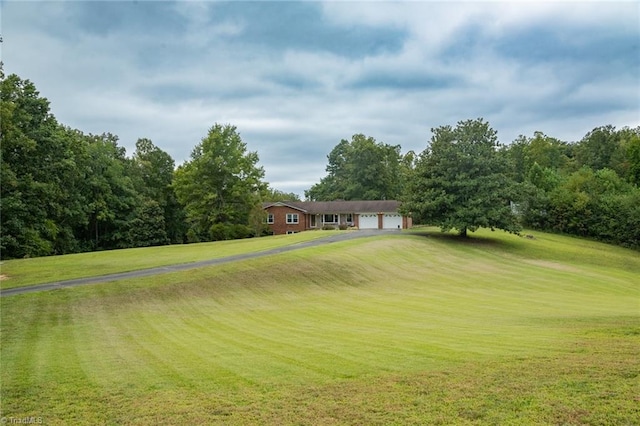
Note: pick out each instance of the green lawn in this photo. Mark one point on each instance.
(396, 329)
(24, 272)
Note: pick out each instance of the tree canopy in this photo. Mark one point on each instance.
(360, 169)
(64, 191)
(219, 186)
(461, 181)
(272, 194)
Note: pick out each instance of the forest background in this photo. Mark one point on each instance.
(64, 191)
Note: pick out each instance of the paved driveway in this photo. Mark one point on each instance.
(342, 236)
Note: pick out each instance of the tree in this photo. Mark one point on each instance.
(112, 200)
(546, 151)
(41, 164)
(596, 149)
(626, 158)
(461, 181)
(146, 227)
(633, 154)
(219, 185)
(24, 120)
(152, 171)
(360, 169)
(408, 164)
(543, 150)
(596, 204)
(271, 194)
(62, 191)
(544, 178)
(516, 154)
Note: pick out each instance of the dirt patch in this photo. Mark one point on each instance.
(4, 277)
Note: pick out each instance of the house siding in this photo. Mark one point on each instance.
(342, 209)
(280, 225)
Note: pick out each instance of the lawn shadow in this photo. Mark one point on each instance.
(472, 239)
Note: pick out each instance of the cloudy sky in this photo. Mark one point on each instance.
(297, 77)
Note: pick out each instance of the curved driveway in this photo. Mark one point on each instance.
(343, 236)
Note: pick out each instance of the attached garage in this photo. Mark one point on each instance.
(368, 221)
(392, 221)
(293, 216)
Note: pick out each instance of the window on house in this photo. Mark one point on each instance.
(292, 217)
(291, 232)
(270, 218)
(313, 221)
(330, 218)
(349, 218)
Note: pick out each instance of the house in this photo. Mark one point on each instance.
(287, 217)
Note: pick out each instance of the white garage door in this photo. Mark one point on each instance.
(368, 221)
(392, 221)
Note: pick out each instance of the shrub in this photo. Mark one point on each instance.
(228, 231)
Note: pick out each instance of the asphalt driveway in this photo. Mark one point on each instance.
(342, 236)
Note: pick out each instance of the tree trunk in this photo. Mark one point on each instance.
(463, 232)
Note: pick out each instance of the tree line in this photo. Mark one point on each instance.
(466, 179)
(64, 191)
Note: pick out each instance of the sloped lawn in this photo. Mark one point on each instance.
(396, 329)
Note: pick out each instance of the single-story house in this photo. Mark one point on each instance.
(287, 217)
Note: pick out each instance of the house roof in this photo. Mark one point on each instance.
(363, 206)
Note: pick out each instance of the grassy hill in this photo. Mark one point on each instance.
(25, 272)
(395, 329)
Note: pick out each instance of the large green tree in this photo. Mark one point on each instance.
(461, 182)
(219, 186)
(152, 171)
(626, 158)
(545, 151)
(596, 150)
(112, 200)
(41, 203)
(360, 169)
(63, 191)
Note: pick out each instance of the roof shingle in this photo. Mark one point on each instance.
(363, 206)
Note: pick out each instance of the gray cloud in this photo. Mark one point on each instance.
(278, 26)
(297, 77)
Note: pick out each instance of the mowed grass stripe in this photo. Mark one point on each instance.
(24, 272)
(406, 329)
(348, 319)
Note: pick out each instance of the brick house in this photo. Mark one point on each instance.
(286, 217)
